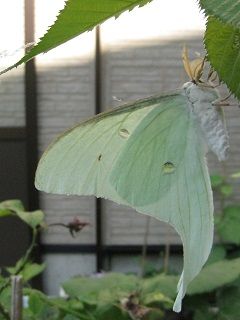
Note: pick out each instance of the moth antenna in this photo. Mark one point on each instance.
(198, 65)
(193, 68)
(186, 62)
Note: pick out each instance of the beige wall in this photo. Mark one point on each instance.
(66, 85)
(141, 57)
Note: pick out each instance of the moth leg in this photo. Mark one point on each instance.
(212, 75)
(222, 102)
(227, 97)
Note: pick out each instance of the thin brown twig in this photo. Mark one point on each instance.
(166, 254)
(16, 305)
(28, 252)
(144, 247)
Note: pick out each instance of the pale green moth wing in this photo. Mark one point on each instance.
(80, 161)
(148, 155)
(162, 172)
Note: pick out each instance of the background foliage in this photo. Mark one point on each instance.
(213, 295)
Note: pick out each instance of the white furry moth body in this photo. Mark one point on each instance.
(210, 117)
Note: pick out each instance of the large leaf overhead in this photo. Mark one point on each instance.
(77, 17)
(222, 42)
(227, 11)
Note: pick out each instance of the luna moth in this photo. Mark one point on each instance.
(149, 155)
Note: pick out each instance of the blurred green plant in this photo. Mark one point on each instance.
(227, 222)
(38, 306)
(24, 266)
(213, 295)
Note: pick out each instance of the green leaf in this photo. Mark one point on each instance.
(226, 190)
(229, 304)
(41, 308)
(28, 271)
(218, 253)
(70, 317)
(72, 307)
(10, 207)
(109, 311)
(157, 299)
(204, 314)
(77, 17)
(13, 205)
(13, 270)
(154, 314)
(227, 11)
(31, 270)
(5, 212)
(214, 276)
(33, 219)
(109, 287)
(5, 299)
(228, 226)
(223, 51)
(166, 284)
(35, 302)
(196, 302)
(76, 305)
(216, 180)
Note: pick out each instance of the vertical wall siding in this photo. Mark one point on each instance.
(66, 82)
(66, 97)
(12, 112)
